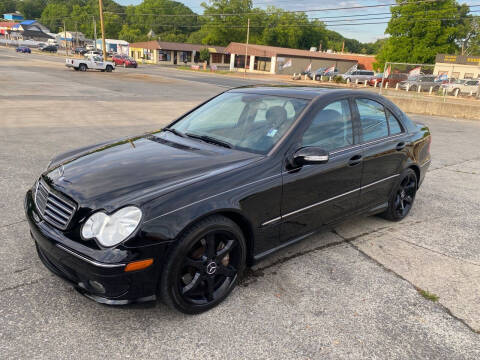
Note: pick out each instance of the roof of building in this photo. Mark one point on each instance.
(114, 41)
(166, 45)
(7, 24)
(269, 51)
(28, 22)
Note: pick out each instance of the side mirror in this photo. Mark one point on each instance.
(310, 155)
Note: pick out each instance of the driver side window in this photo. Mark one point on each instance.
(331, 128)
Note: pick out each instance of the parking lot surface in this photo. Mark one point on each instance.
(350, 292)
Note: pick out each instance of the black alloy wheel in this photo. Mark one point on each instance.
(402, 198)
(204, 266)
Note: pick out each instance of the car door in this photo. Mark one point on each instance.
(384, 151)
(315, 195)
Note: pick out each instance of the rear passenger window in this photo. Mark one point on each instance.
(395, 127)
(372, 118)
(331, 128)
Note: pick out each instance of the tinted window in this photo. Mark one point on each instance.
(395, 127)
(250, 122)
(331, 128)
(372, 118)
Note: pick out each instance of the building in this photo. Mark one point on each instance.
(365, 62)
(278, 60)
(16, 16)
(6, 27)
(171, 53)
(70, 38)
(115, 46)
(32, 25)
(457, 66)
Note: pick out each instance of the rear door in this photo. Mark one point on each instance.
(384, 151)
(315, 195)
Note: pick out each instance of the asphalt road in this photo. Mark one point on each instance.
(348, 293)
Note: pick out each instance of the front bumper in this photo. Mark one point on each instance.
(97, 273)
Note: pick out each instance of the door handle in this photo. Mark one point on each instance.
(400, 146)
(355, 160)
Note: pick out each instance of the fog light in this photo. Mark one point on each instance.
(98, 287)
(138, 265)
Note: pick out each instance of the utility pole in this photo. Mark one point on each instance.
(104, 48)
(65, 38)
(95, 30)
(246, 48)
(76, 34)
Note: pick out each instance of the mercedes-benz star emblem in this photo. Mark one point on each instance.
(211, 268)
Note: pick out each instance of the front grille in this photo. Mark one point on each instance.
(54, 208)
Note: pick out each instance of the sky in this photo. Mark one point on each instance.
(363, 33)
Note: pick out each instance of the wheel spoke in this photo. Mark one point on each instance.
(408, 200)
(210, 287)
(210, 244)
(192, 285)
(197, 264)
(228, 247)
(228, 271)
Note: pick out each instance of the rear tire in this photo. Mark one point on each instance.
(82, 67)
(204, 265)
(402, 198)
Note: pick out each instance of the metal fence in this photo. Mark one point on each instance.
(428, 79)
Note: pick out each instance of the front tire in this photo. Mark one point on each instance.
(204, 266)
(108, 68)
(403, 196)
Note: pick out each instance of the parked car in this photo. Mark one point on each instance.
(464, 87)
(358, 75)
(178, 213)
(316, 74)
(49, 48)
(23, 49)
(124, 60)
(90, 47)
(94, 62)
(425, 81)
(93, 53)
(392, 80)
(451, 83)
(79, 50)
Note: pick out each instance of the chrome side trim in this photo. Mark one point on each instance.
(426, 163)
(93, 262)
(379, 181)
(327, 200)
(212, 196)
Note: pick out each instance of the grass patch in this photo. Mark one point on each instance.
(428, 295)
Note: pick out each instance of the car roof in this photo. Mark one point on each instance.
(301, 92)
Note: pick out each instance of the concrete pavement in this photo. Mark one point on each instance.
(348, 293)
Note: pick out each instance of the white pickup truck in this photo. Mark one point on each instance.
(94, 62)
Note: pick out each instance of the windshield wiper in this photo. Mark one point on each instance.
(176, 132)
(210, 139)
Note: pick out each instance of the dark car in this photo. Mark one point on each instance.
(124, 60)
(80, 50)
(23, 49)
(49, 48)
(180, 212)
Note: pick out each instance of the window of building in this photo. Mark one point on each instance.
(217, 58)
(164, 55)
(456, 75)
(468, 76)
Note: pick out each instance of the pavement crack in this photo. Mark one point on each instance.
(14, 223)
(368, 257)
(21, 285)
(450, 165)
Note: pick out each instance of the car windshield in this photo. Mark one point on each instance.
(248, 122)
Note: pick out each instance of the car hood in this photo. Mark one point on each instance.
(136, 170)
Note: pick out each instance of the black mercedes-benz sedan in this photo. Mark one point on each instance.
(178, 213)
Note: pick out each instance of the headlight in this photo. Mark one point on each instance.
(111, 230)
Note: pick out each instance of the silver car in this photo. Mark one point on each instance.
(467, 87)
(360, 75)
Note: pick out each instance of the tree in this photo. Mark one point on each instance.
(418, 32)
(131, 34)
(204, 55)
